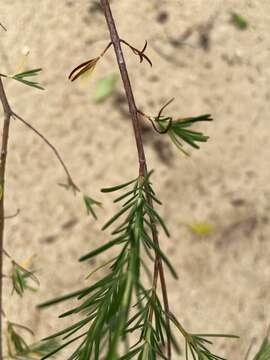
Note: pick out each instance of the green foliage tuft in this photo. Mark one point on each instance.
(20, 279)
(89, 203)
(178, 130)
(19, 349)
(106, 305)
(25, 74)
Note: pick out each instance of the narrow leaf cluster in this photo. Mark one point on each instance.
(119, 304)
(19, 349)
(22, 77)
(89, 203)
(20, 279)
(179, 132)
(197, 345)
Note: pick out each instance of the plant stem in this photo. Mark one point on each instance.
(50, 145)
(124, 74)
(3, 156)
(8, 114)
(158, 268)
(3, 27)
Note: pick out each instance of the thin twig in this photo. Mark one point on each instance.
(12, 215)
(6, 253)
(158, 268)
(154, 125)
(70, 180)
(26, 123)
(140, 53)
(8, 113)
(3, 27)
(3, 156)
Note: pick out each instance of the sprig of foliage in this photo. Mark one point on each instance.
(151, 341)
(197, 345)
(110, 313)
(87, 67)
(119, 304)
(89, 203)
(106, 306)
(20, 279)
(178, 129)
(19, 349)
(22, 77)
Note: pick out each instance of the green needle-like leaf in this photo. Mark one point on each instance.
(118, 187)
(100, 250)
(61, 298)
(33, 72)
(20, 279)
(19, 349)
(89, 203)
(178, 132)
(22, 75)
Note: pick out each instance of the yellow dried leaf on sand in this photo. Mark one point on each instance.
(201, 228)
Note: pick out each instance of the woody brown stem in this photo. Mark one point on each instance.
(158, 268)
(3, 157)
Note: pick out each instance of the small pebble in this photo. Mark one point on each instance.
(162, 17)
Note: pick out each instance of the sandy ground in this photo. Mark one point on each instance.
(223, 277)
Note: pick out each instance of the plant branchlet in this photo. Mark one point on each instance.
(89, 65)
(20, 277)
(121, 304)
(177, 129)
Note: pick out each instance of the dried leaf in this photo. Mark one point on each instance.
(87, 66)
(201, 228)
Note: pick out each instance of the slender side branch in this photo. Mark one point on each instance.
(3, 156)
(158, 269)
(70, 180)
(3, 27)
(8, 114)
(13, 215)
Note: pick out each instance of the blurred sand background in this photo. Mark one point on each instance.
(223, 277)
